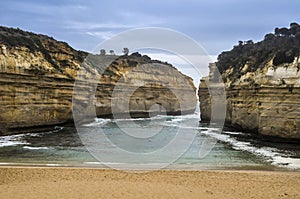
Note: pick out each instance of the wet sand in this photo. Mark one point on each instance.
(33, 182)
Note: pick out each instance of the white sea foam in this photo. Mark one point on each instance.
(103, 163)
(98, 122)
(132, 119)
(55, 165)
(187, 126)
(96, 163)
(169, 119)
(5, 163)
(117, 163)
(233, 133)
(190, 116)
(157, 117)
(33, 164)
(55, 130)
(12, 140)
(272, 155)
(35, 148)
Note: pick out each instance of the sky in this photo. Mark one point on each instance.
(216, 25)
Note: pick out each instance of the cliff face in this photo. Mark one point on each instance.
(37, 75)
(263, 102)
(36, 79)
(136, 86)
(261, 98)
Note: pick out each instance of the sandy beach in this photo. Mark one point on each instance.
(32, 182)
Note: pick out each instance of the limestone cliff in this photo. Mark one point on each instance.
(37, 75)
(263, 90)
(136, 86)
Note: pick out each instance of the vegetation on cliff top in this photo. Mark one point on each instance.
(15, 37)
(132, 60)
(282, 46)
(108, 65)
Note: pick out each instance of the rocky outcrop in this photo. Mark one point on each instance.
(37, 76)
(136, 86)
(262, 99)
(268, 103)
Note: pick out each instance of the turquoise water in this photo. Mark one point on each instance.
(64, 146)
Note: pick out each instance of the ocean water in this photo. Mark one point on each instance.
(68, 146)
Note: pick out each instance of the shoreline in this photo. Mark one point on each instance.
(69, 182)
(243, 169)
(144, 168)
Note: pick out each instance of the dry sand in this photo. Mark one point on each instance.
(16, 182)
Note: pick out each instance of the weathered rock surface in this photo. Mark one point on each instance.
(262, 83)
(265, 101)
(136, 86)
(37, 75)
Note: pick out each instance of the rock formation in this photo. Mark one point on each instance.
(37, 76)
(262, 89)
(135, 86)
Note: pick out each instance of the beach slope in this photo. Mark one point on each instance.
(16, 182)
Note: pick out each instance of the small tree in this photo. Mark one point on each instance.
(281, 31)
(276, 31)
(249, 42)
(294, 28)
(285, 31)
(269, 36)
(125, 51)
(112, 52)
(102, 52)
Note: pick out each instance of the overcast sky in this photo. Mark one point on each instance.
(215, 24)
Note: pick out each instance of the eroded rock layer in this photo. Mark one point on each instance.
(262, 83)
(265, 101)
(37, 76)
